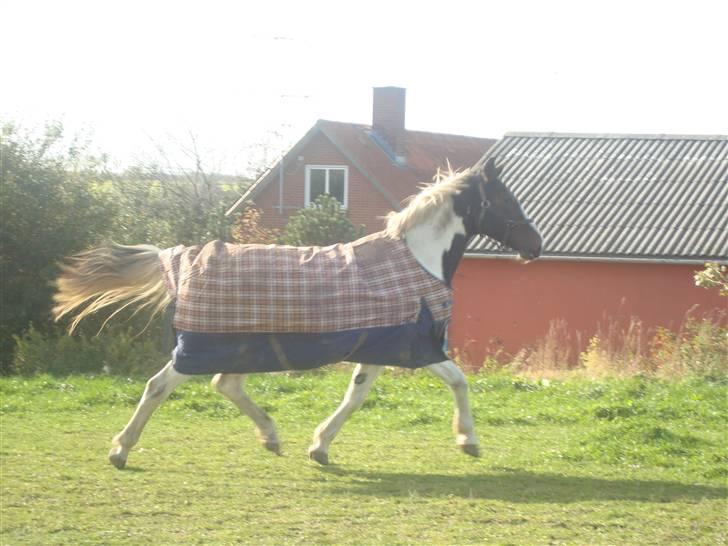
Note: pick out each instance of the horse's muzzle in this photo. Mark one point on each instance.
(528, 254)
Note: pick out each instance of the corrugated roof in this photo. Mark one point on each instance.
(425, 153)
(643, 197)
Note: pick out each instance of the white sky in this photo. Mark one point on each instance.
(235, 73)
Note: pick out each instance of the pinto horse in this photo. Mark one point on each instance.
(381, 300)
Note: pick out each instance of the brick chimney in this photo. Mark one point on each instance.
(388, 120)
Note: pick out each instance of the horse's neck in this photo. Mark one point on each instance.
(438, 248)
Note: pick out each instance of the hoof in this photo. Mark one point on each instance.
(117, 458)
(275, 447)
(471, 449)
(321, 457)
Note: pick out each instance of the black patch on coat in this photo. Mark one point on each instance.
(467, 205)
(452, 256)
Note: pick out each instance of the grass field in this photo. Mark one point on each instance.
(622, 461)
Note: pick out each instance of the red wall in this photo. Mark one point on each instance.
(506, 305)
(366, 204)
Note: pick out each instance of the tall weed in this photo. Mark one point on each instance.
(699, 347)
(555, 351)
(617, 349)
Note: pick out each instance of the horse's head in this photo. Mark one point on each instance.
(500, 215)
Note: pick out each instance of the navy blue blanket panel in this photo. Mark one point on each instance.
(410, 345)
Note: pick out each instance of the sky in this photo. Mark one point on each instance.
(247, 79)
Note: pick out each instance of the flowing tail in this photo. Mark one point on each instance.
(105, 276)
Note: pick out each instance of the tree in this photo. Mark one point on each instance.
(176, 198)
(165, 209)
(57, 199)
(49, 210)
(324, 223)
(714, 275)
(247, 228)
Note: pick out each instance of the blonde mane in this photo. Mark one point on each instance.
(423, 205)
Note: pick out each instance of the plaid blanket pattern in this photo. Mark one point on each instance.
(374, 281)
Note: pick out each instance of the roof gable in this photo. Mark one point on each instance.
(426, 152)
(643, 197)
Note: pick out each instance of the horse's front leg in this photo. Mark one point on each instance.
(359, 386)
(463, 418)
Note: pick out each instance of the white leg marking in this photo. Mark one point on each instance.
(359, 386)
(231, 386)
(158, 389)
(463, 418)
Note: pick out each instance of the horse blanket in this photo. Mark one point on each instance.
(241, 308)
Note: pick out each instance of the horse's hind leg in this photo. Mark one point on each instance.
(462, 419)
(230, 385)
(157, 390)
(361, 382)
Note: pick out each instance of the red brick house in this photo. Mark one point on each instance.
(370, 169)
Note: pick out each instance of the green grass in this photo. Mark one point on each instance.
(628, 461)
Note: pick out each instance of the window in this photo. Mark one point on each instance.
(327, 179)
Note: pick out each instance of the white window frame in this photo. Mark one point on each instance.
(327, 168)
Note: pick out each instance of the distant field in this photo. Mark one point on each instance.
(628, 461)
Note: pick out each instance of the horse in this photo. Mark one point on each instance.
(428, 238)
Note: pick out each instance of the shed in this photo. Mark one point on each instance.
(626, 219)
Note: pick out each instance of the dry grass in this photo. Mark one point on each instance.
(619, 349)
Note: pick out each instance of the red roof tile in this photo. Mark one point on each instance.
(425, 153)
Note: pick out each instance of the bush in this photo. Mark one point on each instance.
(322, 224)
(48, 210)
(116, 353)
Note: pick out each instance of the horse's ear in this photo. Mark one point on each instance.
(491, 171)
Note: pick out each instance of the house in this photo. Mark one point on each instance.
(370, 169)
(626, 219)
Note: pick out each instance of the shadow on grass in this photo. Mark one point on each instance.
(520, 486)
